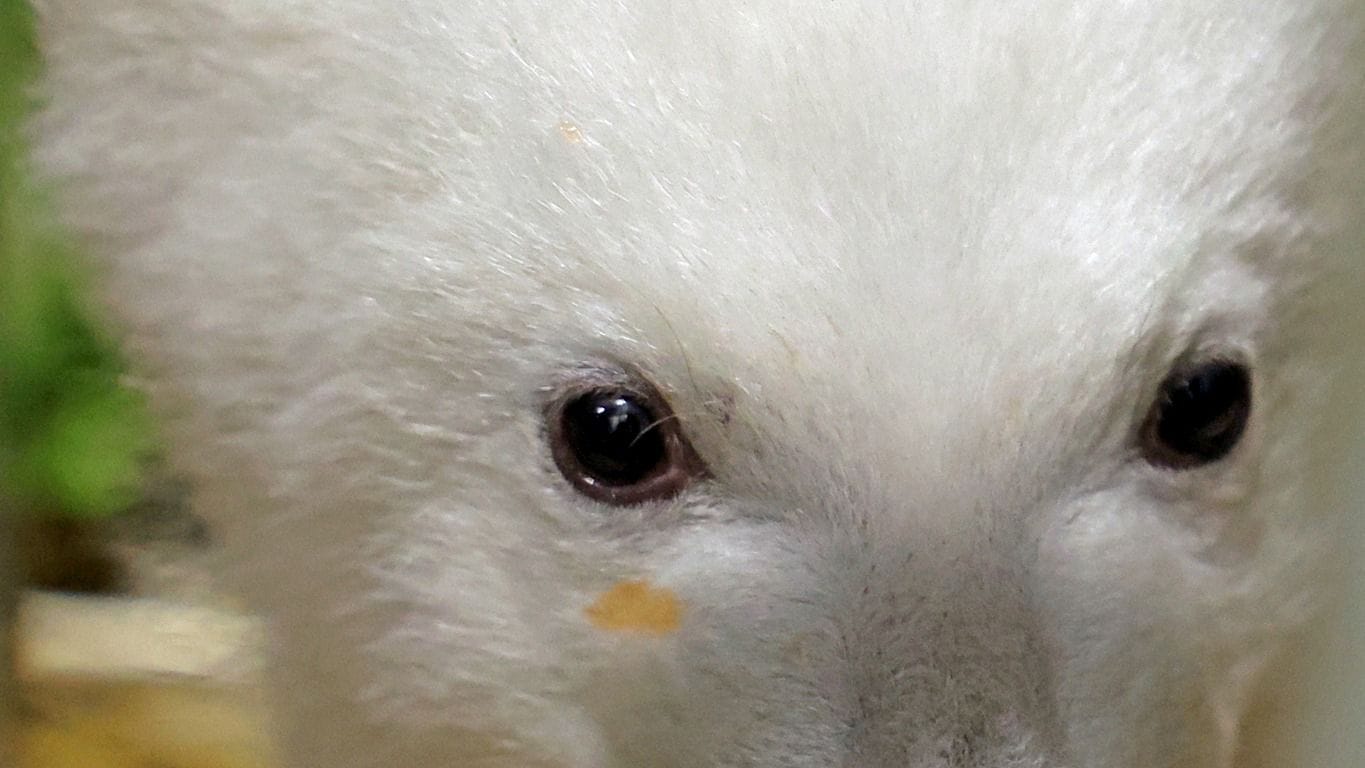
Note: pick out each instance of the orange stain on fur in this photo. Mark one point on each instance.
(634, 606)
(571, 133)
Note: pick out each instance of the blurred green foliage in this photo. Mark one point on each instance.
(72, 440)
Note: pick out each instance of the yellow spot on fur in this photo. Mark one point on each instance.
(634, 606)
(571, 133)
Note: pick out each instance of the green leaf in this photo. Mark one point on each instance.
(72, 440)
(88, 460)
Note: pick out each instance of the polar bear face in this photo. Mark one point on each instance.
(836, 385)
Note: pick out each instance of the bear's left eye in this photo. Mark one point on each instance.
(1199, 416)
(620, 446)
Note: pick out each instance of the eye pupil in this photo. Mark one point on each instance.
(621, 446)
(1200, 416)
(614, 438)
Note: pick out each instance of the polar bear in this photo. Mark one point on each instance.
(839, 384)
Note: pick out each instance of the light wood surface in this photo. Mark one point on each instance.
(124, 683)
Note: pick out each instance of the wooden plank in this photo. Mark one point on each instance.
(67, 637)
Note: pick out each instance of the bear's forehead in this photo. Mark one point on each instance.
(992, 372)
(1002, 309)
(903, 194)
(955, 251)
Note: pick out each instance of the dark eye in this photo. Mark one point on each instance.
(621, 447)
(1199, 416)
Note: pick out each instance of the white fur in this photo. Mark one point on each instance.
(910, 274)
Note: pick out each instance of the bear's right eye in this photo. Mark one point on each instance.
(621, 446)
(1199, 416)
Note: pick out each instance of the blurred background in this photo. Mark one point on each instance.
(99, 668)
